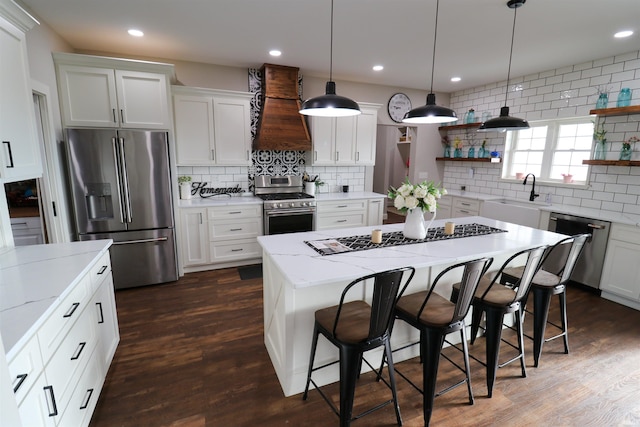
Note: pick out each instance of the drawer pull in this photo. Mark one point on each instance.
(21, 379)
(76, 355)
(463, 211)
(87, 399)
(342, 206)
(235, 212)
(465, 204)
(72, 310)
(236, 250)
(52, 400)
(236, 229)
(102, 270)
(341, 220)
(99, 304)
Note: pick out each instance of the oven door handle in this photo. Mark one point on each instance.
(289, 212)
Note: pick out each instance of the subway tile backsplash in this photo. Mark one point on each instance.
(563, 92)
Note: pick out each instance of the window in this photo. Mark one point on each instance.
(550, 150)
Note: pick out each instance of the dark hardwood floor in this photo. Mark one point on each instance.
(192, 354)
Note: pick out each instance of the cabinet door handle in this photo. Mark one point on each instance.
(357, 156)
(315, 155)
(76, 356)
(87, 399)
(21, 379)
(11, 165)
(99, 304)
(72, 310)
(115, 119)
(200, 217)
(102, 270)
(121, 116)
(53, 408)
(248, 155)
(337, 156)
(213, 154)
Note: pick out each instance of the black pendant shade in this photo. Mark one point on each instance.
(505, 122)
(330, 104)
(430, 113)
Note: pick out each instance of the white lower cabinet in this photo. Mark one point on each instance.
(58, 374)
(220, 236)
(462, 206)
(444, 207)
(348, 213)
(375, 211)
(621, 273)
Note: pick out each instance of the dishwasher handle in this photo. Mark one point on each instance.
(596, 226)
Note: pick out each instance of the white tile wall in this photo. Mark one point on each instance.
(563, 92)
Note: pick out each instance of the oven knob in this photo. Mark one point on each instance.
(292, 204)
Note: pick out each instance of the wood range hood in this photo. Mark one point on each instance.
(280, 125)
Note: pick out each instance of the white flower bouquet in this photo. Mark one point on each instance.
(409, 196)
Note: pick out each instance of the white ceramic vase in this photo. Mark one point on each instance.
(310, 188)
(415, 226)
(185, 190)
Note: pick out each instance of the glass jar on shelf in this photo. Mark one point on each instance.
(603, 101)
(624, 97)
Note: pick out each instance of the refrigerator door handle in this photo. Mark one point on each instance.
(130, 242)
(116, 157)
(125, 181)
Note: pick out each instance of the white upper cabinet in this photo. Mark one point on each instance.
(212, 127)
(345, 141)
(110, 96)
(19, 146)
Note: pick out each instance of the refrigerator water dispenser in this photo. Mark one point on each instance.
(98, 200)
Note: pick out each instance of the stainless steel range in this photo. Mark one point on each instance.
(287, 209)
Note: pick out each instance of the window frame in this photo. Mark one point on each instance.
(550, 148)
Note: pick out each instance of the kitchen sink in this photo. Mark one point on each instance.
(516, 211)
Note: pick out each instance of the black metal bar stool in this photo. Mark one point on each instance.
(356, 327)
(496, 300)
(551, 279)
(436, 317)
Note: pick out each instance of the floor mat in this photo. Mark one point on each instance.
(250, 272)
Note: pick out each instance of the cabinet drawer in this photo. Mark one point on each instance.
(468, 205)
(234, 212)
(100, 271)
(25, 368)
(66, 364)
(56, 327)
(226, 230)
(85, 396)
(444, 202)
(26, 223)
(341, 221)
(340, 206)
(625, 233)
(235, 250)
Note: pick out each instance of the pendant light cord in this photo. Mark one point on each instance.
(513, 32)
(435, 37)
(331, 47)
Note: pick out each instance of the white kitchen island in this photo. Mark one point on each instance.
(297, 281)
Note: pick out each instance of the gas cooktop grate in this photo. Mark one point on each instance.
(396, 238)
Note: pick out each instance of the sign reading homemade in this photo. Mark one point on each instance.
(201, 189)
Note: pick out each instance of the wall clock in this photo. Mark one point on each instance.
(399, 105)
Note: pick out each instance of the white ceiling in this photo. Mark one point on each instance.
(473, 35)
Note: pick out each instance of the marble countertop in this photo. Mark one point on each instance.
(303, 266)
(223, 200)
(603, 215)
(33, 278)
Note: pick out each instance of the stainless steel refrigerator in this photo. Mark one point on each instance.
(121, 186)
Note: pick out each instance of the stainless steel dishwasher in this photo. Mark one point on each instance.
(589, 266)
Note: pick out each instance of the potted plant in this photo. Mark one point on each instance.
(185, 186)
(415, 200)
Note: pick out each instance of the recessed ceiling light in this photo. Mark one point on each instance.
(275, 52)
(135, 33)
(455, 79)
(378, 68)
(622, 34)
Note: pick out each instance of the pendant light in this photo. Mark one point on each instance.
(330, 104)
(431, 113)
(505, 122)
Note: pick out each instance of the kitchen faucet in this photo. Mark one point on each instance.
(533, 194)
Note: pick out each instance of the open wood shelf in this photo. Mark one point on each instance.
(618, 111)
(612, 162)
(462, 126)
(473, 159)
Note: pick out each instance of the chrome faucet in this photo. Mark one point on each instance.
(533, 194)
